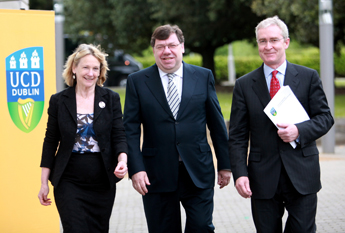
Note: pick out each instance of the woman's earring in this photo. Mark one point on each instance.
(73, 76)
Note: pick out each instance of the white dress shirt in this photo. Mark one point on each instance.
(280, 75)
(177, 80)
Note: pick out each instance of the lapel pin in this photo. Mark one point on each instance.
(101, 104)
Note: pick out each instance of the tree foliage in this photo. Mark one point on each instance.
(207, 24)
(41, 5)
(90, 22)
(302, 18)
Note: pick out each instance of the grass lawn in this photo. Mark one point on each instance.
(122, 93)
(225, 100)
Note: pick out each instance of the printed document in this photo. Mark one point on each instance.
(286, 108)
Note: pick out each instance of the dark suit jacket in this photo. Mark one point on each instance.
(267, 151)
(62, 128)
(166, 138)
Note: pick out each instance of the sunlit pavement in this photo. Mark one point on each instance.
(232, 213)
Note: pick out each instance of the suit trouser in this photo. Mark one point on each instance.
(162, 210)
(268, 213)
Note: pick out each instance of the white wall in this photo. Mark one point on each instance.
(16, 5)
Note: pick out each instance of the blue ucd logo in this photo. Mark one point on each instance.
(25, 87)
(273, 112)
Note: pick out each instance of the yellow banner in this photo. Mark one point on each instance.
(27, 67)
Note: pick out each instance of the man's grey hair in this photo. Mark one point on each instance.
(273, 21)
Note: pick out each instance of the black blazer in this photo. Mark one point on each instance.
(166, 138)
(267, 151)
(62, 128)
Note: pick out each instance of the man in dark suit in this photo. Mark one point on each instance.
(275, 175)
(175, 162)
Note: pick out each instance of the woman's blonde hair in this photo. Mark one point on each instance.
(74, 59)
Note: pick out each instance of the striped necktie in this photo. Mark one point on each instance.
(172, 96)
(275, 86)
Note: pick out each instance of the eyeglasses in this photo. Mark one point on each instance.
(161, 47)
(272, 41)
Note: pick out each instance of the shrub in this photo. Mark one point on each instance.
(146, 61)
(312, 62)
(246, 64)
(193, 59)
(339, 64)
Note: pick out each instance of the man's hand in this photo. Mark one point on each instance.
(288, 132)
(223, 178)
(242, 186)
(139, 182)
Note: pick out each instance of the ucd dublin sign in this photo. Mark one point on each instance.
(25, 87)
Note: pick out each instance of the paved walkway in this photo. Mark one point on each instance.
(232, 213)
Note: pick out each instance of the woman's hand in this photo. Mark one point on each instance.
(121, 168)
(43, 195)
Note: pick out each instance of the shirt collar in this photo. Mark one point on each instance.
(268, 70)
(178, 72)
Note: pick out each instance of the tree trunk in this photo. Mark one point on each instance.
(208, 59)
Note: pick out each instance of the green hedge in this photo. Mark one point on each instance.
(339, 65)
(244, 65)
(146, 61)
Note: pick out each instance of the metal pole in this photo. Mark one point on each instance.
(327, 66)
(59, 43)
(231, 66)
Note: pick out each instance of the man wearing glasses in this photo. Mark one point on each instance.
(276, 176)
(174, 102)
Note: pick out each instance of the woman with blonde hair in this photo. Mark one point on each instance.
(85, 150)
